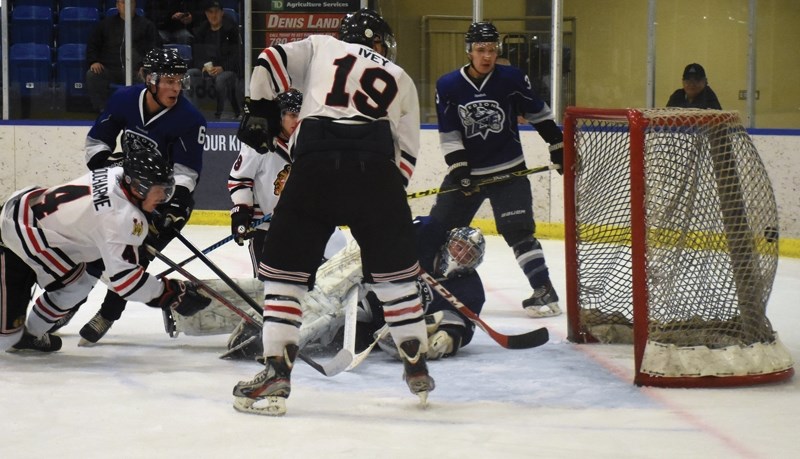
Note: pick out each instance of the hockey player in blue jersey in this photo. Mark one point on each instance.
(477, 107)
(452, 257)
(156, 115)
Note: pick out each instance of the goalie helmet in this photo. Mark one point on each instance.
(482, 32)
(290, 101)
(462, 252)
(367, 27)
(144, 168)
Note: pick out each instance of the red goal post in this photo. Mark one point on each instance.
(671, 240)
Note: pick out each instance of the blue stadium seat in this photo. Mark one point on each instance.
(71, 70)
(47, 3)
(185, 51)
(75, 24)
(30, 67)
(232, 13)
(32, 24)
(113, 11)
(232, 4)
(80, 3)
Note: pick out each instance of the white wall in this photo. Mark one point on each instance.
(48, 155)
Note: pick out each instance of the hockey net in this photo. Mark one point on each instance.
(671, 231)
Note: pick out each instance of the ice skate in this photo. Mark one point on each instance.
(28, 342)
(266, 394)
(543, 302)
(95, 329)
(415, 370)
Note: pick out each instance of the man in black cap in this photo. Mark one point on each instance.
(695, 92)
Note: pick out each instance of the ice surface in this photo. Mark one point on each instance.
(140, 393)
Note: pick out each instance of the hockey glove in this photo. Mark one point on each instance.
(105, 159)
(260, 124)
(459, 170)
(557, 156)
(173, 215)
(182, 297)
(241, 216)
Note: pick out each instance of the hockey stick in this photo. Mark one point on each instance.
(335, 365)
(361, 356)
(524, 341)
(485, 181)
(216, 245)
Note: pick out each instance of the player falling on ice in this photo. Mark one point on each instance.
(63, 237)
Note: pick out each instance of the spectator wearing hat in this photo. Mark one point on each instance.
(217, 55)
(695, 92)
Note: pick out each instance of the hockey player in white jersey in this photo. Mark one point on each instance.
(354, 153)
(61, 238)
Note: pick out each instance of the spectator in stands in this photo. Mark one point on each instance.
(695, 92)
(105, 52)
(217, 55)
(173, 19)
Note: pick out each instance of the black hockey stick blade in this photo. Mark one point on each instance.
(484, 181)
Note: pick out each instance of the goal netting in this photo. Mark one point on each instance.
(671, 231)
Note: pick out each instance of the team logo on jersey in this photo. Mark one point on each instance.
(481, 117)
(138, 227)
(280, 181)
(135, 141)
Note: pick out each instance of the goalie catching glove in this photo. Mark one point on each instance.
(181, 297)
(241, 217)
(260, 124)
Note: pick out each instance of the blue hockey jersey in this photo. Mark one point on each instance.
(483, 120)
(178, 132)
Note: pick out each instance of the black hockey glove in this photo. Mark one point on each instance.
(182, 297)
(241, 216)
(459, 171)
(557, 156)
(105, 159)
(260, 124)
(173, 215)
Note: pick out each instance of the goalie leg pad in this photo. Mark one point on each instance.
(216, 319)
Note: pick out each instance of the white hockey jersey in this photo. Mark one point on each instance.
(257, 180)
(343, 80)
(81, 221)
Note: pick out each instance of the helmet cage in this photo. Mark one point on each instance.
(462, 253)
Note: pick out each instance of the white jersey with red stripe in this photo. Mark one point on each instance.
(344, 81)
(256, 180)
(84, 220)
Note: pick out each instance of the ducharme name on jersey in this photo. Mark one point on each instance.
(100, 189)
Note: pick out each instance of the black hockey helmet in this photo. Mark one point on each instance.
(366, 27)
(164, 61)
(144, 167)
(290, 101)
(482, 32)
